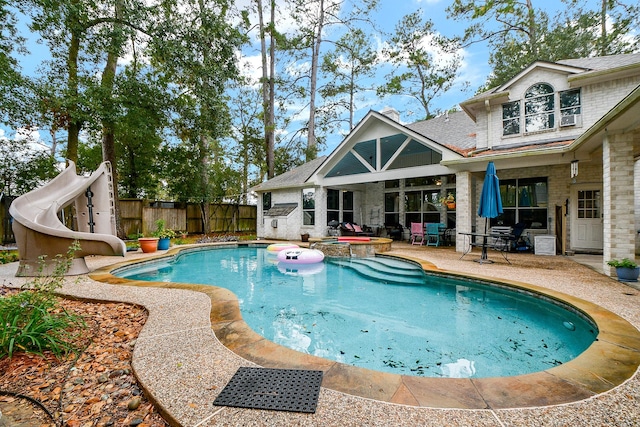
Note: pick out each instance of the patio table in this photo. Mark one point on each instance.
(500, 243)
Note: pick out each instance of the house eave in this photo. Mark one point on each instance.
(591, 77)
(541, 156)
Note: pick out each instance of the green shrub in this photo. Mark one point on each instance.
(8, 256)
(162, 232)
(33, 321)
(623, 263)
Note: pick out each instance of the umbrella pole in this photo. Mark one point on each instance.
(483, 257)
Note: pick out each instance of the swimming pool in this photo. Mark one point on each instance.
(394, 327)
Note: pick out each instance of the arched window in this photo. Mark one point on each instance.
(539, 108)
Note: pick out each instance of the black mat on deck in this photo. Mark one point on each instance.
(292, 390)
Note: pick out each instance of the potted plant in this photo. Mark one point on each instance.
(627, 270)
(449, 201)
(148, 244)
(163, 234)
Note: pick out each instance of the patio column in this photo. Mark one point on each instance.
(618, 198)
(464, 215)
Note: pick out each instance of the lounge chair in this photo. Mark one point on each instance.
(353, 229)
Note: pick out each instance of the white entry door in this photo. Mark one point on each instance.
(586, 218)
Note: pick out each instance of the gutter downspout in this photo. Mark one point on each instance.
(487, 106)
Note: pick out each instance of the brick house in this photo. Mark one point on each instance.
(564, 137)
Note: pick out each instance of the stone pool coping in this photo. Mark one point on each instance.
(607, 363)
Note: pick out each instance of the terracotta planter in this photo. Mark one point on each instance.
(148, 244)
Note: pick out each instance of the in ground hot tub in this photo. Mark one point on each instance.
(351, 246)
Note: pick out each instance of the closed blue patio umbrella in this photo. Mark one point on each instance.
(490, 202)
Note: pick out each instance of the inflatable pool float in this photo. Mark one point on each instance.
(300, 256)
(300, 269)
(277, 247)
(354, 239)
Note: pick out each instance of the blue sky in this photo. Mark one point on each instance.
(475, 58)
(472, 75)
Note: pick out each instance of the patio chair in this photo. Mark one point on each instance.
(417, 233)
(432, 237)
(519, 242)
(501, 238)
(394, 231)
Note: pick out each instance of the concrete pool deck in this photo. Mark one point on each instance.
(183, 366)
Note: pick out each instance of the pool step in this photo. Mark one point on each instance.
(383, 269)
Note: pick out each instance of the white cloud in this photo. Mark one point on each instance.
(27, 134)
(428, 2)
(251, 67)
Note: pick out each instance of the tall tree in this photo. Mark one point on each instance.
(313, 18)
(417, 72)
(144, 105)
(81, 34)
(248, 151)
(268, 56)
(200, 59)
(63, 26)
(116, 37)
(612, 25)
(11, 81)
(347, 67)
(519, 34)
(515, 25)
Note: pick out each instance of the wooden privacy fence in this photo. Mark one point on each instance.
(140, 216)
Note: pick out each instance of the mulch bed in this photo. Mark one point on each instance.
(94, 388)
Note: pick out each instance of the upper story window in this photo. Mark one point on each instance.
(570, 107)
(539, 108)
(511, 118)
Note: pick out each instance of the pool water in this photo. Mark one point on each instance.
(385, 314)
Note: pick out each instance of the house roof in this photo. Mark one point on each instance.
(579, 69)
(293, 178)
(454, 130)
(281, 209)
(600, 63)
(621, 118)
(352, 161)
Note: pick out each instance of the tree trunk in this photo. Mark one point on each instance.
(312, 143)
(108, 124)
(602, 48)
(271, 122)
(533, 32)
(75, 124)
(268, 96)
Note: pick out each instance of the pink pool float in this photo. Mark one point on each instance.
(277, 247)
(300, 256)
